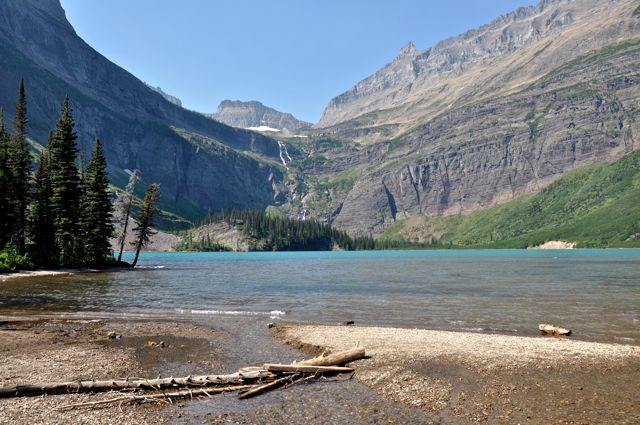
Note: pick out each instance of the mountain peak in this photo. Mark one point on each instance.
(253, 114)
(409, 49)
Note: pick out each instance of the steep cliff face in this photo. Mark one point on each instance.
(136, 124)
(254, 114)
(492, 151)
(483, 117)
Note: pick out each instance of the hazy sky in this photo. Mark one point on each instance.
(293, 55)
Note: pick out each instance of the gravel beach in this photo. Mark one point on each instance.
(411, 376)
(476, 377)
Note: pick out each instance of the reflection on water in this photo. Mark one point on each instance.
(594, 292)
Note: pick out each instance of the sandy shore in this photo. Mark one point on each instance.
(489, 378)
(40, 273)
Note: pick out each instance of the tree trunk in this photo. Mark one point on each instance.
(135, 259)
(124, 232)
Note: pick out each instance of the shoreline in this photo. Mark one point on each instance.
(460, 377)
(24, 274)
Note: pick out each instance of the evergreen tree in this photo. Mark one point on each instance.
(6, 185)
(127, 202)
(41, 230)
(148, 211)
(20, 164)
(96, 220)
(65, 183)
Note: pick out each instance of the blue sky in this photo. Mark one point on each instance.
(293, 55)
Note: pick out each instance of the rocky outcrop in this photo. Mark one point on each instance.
(227, 235)
(136, 124)
(255, 115)
(166, 96)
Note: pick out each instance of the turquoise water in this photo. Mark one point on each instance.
(594, 292)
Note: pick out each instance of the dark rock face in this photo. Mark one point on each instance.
(254, 114)
(135, 123)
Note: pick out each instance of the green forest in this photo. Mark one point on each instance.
(281, 234)
(61, 215)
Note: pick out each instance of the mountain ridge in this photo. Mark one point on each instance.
(254, 114)
(38, 44)
(414, 72)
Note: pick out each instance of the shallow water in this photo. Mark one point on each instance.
(594, 292)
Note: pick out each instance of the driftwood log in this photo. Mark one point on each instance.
(553, 330)
(339, 358)
(256, 380)
(132, 383)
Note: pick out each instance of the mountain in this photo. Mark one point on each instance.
(255, 115)
(479, 119)
(496, 59)
(201, 164)
(167, 96)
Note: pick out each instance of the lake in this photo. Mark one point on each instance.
(594, 292)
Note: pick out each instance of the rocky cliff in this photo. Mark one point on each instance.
(483, 117)
(139, 127)
(166, 95)
(254, 114)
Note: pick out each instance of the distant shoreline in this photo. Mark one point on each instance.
(24, 274)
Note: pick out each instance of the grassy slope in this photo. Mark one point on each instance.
(594, 206)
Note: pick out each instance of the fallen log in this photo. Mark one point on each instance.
(339, 358)
(305, 369)
(263, 378)
(137, 383)
(553, 330)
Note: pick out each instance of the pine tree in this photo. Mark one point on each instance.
(127, 202)
(148, 211)
(6, 185)
(20, 164)
(41, 230)
(65, 182)
(96, 220)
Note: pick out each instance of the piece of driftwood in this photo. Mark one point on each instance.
(270, 367)
(553, 330)
(136, 384)
(259, 389)
(339, 358)
(256, 380)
